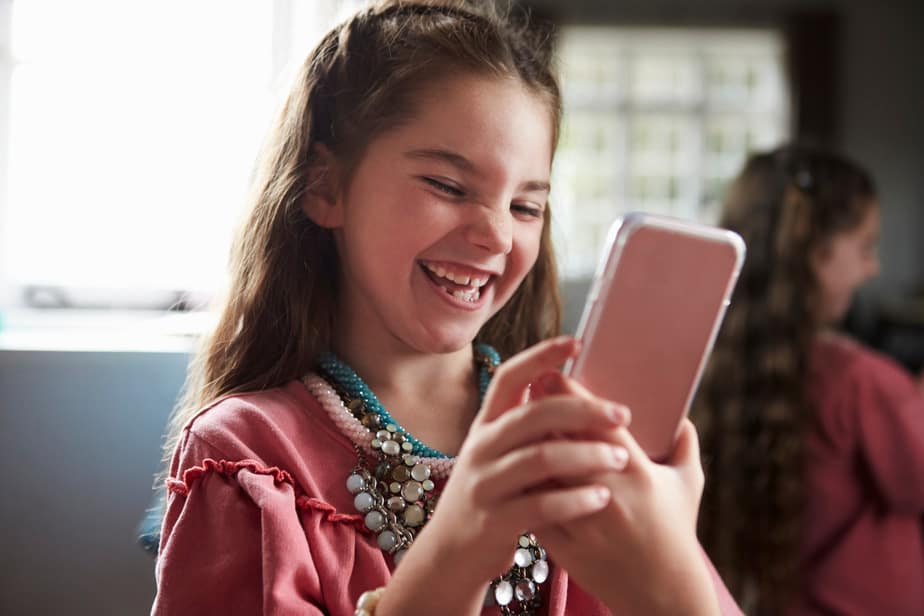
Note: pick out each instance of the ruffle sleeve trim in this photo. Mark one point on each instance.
(330, 513)
(228, 468)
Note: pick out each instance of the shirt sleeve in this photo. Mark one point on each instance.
(233, 543)
(889, 415)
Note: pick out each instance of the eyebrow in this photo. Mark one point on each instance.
(464, 164)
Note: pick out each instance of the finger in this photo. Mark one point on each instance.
(530, 467)
(686, 448)
(637, 456)
(554, 506)
(511, 379)
(561, 540)
(558, 539)
(685, 457)
(545, 419)
(637, 461)
(555, 382)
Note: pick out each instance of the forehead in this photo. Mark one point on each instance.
(869, 223)
(866, 230)
(492, 121)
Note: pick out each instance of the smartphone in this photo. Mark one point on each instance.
(651, 317)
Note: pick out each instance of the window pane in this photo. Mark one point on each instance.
(658, 120)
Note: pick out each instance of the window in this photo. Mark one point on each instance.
(133, 131)
(658, 120)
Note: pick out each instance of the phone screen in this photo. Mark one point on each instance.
(651, 318)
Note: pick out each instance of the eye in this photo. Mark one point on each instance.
(443, 187)
(527, 210)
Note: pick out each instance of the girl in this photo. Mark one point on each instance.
(348, 432)
(814, 446)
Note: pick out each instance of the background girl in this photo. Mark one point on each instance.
(398, 241)
(814, 445)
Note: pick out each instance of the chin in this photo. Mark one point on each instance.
(452, 345)
(447, 341)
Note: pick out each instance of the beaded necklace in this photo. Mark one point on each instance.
(376, 416)
(392, 483)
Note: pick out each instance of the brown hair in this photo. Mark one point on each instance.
(751, 409)
(358, 82)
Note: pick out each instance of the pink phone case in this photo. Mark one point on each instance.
(651, 317)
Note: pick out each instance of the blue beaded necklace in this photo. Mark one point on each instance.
(344, 376)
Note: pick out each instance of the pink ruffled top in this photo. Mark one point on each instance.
(259, 520)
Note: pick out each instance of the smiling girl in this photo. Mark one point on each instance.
(350, 440)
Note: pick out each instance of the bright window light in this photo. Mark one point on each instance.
(134, 129)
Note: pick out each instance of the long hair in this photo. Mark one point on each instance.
(360, 81)
(751, 409)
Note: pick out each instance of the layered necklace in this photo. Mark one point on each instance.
(393, 483)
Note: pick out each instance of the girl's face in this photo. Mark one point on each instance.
(848, 260)
(443, 216)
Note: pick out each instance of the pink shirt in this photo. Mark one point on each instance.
(259, 519)
(864, 546)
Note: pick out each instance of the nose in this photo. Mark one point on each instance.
(491, 230)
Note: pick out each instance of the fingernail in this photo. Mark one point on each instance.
(617, 413)
(601, 495)
(620, 457)
(560, 341)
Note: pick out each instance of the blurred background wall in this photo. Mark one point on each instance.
(81, 416)
(79, 443)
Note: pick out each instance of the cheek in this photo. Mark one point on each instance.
(526, 249)
(829, 286)
(833, 272)
(856, 272)
(842, 282)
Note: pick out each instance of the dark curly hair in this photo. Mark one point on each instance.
(751, 408)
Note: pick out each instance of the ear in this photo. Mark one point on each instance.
(321, 201)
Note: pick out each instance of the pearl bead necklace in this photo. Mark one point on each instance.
(399, 496)
(358, 434)
(486, 357)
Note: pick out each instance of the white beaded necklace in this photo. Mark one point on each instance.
(351, 427)
(516, 592)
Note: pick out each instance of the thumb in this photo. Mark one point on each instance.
(685, 457)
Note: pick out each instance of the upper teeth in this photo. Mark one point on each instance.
(458, 278)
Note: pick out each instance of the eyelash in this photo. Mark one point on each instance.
(452, 191)
(528, 210)
(457, 193)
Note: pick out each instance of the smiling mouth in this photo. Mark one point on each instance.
(460, 285)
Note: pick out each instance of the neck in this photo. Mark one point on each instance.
(432, 395)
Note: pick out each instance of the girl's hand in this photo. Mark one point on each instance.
(516, 471)
(640, 554)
